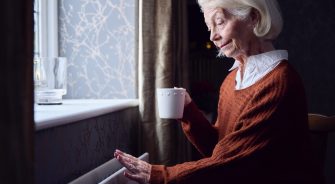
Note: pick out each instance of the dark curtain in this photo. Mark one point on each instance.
(17, 125)
(163, 58)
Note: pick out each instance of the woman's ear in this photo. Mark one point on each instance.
(255, 16)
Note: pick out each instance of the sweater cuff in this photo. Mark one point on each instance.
(157, 174)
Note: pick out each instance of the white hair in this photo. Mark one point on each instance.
(270, 20)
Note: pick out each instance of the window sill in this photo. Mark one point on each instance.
(47, 116)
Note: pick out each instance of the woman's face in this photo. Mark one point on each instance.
(232, 36)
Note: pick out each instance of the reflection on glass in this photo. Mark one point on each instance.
(40, 78)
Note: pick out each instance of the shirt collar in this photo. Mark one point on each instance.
(263, 60)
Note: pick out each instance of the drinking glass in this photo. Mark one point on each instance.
(50, 79)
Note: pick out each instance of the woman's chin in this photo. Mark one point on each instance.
(225, 52)
(229, 54)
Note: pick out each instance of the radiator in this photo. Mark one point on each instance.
(110, 172)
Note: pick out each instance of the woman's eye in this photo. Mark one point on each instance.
(219, 22)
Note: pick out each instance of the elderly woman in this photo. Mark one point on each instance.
(261, 132)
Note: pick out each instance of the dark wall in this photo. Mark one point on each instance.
(309, 38)
(308, 35)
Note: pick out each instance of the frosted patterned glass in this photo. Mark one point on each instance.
(98, 39)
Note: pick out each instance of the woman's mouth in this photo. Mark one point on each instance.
(225, 44)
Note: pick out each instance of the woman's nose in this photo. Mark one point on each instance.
(214, 36)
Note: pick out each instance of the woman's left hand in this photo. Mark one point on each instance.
(138, 170)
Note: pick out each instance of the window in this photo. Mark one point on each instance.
(98, 38)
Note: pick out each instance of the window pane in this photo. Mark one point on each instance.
(98, 38)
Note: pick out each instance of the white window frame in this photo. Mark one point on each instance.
(48, 28)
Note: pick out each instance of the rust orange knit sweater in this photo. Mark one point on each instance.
(260, 136)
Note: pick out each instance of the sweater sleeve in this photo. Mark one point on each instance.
(252, 133)
(199, 131)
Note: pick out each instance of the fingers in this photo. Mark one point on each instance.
(118, 152)
(133, 164)
(139, 170)
(130, 164)
(188, 98)
(126, 157)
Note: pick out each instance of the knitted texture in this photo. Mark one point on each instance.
(260, 136)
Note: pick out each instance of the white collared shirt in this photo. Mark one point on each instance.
(257, 66)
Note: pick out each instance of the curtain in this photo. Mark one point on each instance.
(163, 58)
(16, 120)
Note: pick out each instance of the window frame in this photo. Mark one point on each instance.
(47, 33)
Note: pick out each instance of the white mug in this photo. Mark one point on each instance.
(171, 102)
